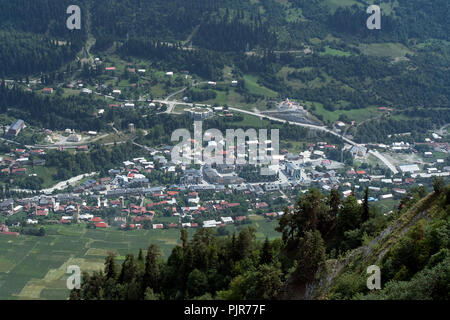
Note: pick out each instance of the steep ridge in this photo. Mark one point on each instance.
(356, 261)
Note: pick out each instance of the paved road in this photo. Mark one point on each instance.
(172, 103)
(310, 126)
(66, 145)
(64, 184)
(384, 160)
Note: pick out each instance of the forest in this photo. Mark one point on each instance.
(99, 158)
(206, 266)
(55, 113)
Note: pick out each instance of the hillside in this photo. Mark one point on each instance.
(319, 53)
(412, 253)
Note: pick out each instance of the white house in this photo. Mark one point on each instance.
(210, 223)
(226, 219)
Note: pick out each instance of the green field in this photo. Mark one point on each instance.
(334, 4)
(251, 121)
(253, 87)
(335, 52)
(46, 173)
(392, 50)
(355, 114)
(35, 267)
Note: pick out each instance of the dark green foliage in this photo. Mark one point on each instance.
(311, 256)
(56, 113)
(204, 266)
(34, 36)
(429, 284)
(99, 158)
(239, 267)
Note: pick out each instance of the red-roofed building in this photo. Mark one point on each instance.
(271, 214)
(19, 171)
(38, 151)
(261, 205)
(8, 233)
(101, 225)
(138, 210)
(143, 218)
(232, 205)
(42, 213)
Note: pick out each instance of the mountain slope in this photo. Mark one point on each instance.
(409, 241)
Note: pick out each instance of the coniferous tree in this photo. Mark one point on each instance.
(365, 206)
(266, 253)
(128, 272)
(151, 272)
(110, 266)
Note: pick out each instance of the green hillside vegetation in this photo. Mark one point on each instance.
(326, 245)
(347, 69)
(412, 253)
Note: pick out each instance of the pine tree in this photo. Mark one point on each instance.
(151, 271)
(334, 202)
(311, 255)
(184, 238)
(129, 270)
(365, 206)
(110, 266)
(266, 253)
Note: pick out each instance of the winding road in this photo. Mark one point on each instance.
(172, 103)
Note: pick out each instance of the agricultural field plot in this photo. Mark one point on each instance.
(263, 228)
(393, 50)
(35, 267)
(253, 87)
(334, 4)
(335, 52)
(359, 115)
